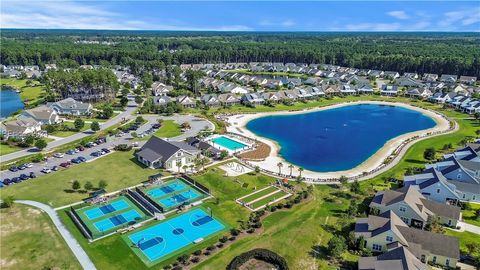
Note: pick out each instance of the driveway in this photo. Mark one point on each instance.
(197, 124)
(127, 114)
(467, 227)
(72, 243)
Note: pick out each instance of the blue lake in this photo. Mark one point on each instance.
(10, 102)
(338, 139)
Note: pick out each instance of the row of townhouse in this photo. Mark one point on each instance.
(31, 121)
(455, 178)
(460, 102)
(396, 233)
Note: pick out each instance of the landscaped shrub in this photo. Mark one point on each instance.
(219, 245)
(259, 254)
(273, 208)
(210, 248)
(251, 230)
(232, 238)
(197, 252)
(195, 260)
(234, 232)
(167, 267)
(123, 147)
(207, 253)
(223, 239)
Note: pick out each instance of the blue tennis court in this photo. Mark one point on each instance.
(169, 236)
(106, 209)
(164, 190)
(179, 198)
(112, 222)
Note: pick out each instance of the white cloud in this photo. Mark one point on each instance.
(398, 14)
(285, 23)
(84, 15)
(464, 17)
(377, 27)
(288, 23)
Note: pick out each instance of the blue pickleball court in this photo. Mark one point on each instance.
(97, 212)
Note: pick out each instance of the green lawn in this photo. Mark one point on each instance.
(29, 94)
(168, 129)
(268, 199)
(66, 133)
(259, 194)
(7, 149)
(466, 238)
(119, 169)
(30, 241)
(469, 216)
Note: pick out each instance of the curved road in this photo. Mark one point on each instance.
(71, 241)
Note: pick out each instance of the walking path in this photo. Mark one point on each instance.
(69, 239)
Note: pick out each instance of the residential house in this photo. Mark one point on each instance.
(411, 75)
(389, 90)
(435, 186)
(413, 208)
(375, 73)
(330, 89)
(210, 100)
(408, 83)
(170, 155)
(428, 77)
(252, 99)
(272, 97)
(397, 258)
(160, 89)
(20, 127)
(228, 99)
(391, 75)
(468, 79)
(42, 114)
(187, 102)
(419, 93)
(302, 93)
(365, 88)
(347, 89)
(386, 231)
(447, 78)
(70, 106)
(161, 100)
(287, 95)
(440, 97)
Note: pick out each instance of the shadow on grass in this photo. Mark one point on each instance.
(415, 161)
(134, 160)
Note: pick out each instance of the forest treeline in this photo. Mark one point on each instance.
(439, 53)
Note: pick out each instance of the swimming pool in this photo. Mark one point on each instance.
(228, 143)
(165, 238)
(106, 209)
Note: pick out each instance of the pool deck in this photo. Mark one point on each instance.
(237, 124)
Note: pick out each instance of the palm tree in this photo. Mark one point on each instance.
(185, 167)
(301, 170)
(179, 164)
(280, 165)
(191, 167)
(291, 168)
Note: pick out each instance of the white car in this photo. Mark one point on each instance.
(46, 170)
(28, 165)
(59, 155)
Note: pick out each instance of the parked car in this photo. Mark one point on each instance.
(13, 169)
(105, 150)
(24, 176)
(76, 150)
(22, 167)
(101, 140)
(71, 152)
(59, 155)
(16, 179)
(156, 126)
(96, 154)
(65, 164)
(55, 168)
(90, 145)
(46, 170)
(28, 165)
(75, 160)
(32, 175)
(7, 181)
(82, 159)
(81, 148)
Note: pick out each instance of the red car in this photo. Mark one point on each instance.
(66, 164)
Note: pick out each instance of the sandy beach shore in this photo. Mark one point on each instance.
(237, 124)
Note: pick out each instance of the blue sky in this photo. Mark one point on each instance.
(244, 16)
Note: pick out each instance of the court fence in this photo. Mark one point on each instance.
(194, 183)
(142, 202)
(149, 200)
(80, 224)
